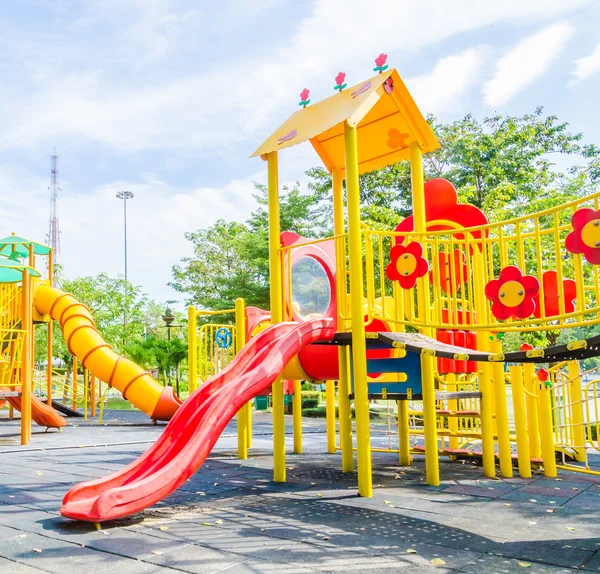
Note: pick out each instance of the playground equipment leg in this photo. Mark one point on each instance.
(297, 416)
(279, 473)
(516, 382)
(93, 395)
(26, 367)
(74, 383)
(403, 434)
(546, 433)
(240, 341)
(487, 420)
(359, 347)
(49, 345)
(330, 416)
(192, 348)
(503, 430)
(249, 421)
(577, 410)
(451, 383)
(345, 412)
(531, 402)
(242, 433)
(432, 465)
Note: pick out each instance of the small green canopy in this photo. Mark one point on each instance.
(14, 243)
(11, 271)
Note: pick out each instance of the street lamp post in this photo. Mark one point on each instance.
(125, 195)
(168, 318)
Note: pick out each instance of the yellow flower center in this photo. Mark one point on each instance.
(590, 234)
(512, 293)
(406, 264)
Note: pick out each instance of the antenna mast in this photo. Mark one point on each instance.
(53, 225)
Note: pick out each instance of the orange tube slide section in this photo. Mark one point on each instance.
(84, 341)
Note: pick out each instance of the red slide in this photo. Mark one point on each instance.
(43, 414)
(193, 431)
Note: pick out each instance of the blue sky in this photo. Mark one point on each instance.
(168, 98)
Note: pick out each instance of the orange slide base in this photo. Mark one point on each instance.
(43, 414)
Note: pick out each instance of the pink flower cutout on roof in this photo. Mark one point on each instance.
(380, 63)
(304, 101)
(339, 81)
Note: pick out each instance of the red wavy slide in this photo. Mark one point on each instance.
(193, 431)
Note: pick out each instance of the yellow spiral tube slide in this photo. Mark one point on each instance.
(84, 341)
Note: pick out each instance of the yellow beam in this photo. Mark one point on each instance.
(192, 349)
(297, 416)
(518, 397)
(504, 450)
(279, 474)
(403, 434)
(359, 349)
(26, 367)
(330, 416)
(240, 341)
(577, 420)
(546, 432)
(531, 404)
(432, 468)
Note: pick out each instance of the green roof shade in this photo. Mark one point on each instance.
(14, 243)
(12, 271)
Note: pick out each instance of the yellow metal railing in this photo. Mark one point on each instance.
(472, 257)
(215, 348)
(10, 305)
(11, 348)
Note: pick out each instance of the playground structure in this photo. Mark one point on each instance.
(25, 300)
(346, 308)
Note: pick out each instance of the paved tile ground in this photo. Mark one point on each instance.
(230, 517)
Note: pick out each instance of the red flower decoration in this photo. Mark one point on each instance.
(585, 237)
(512, 294)
(552, 295)
(304, 101)
(339, 81)
(380, 63)
(407, 264)
(450, 279)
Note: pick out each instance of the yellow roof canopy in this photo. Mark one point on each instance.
(384, 112)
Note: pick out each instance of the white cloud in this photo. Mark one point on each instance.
(443, 88)
(92, 224)
(586, 67)
(526, 62)
(216, 108)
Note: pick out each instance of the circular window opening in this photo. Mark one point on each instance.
(311, 288)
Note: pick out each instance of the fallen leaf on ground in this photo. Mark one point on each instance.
(438, 562)
(37, 549)
(164, 528)
(218, 521)
(206, 524)
(157, 552)
(570, 528)
(524, 564)
(326, 538)
(411, 551)
(532, 500)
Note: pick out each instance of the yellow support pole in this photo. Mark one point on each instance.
(504, 448)
(74, 383)
(50, 329)
(345, 410)
(359, 345)
(518, 397)
(403, 434)
(546, 432)
(249, 421)
(279, 471)
(345, 414)
(93, 394)
(330, 416)
(192, 350)
(452, 405)
(531, 403)
(297, 416)
(432, 466)
(577, 421)
(26, 368)
(240, 341)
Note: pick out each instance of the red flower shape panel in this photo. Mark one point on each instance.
(552, 295)
(512, 294)
(585, 237)
(407, 264)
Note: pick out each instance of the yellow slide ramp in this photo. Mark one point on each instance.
(84, 341)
